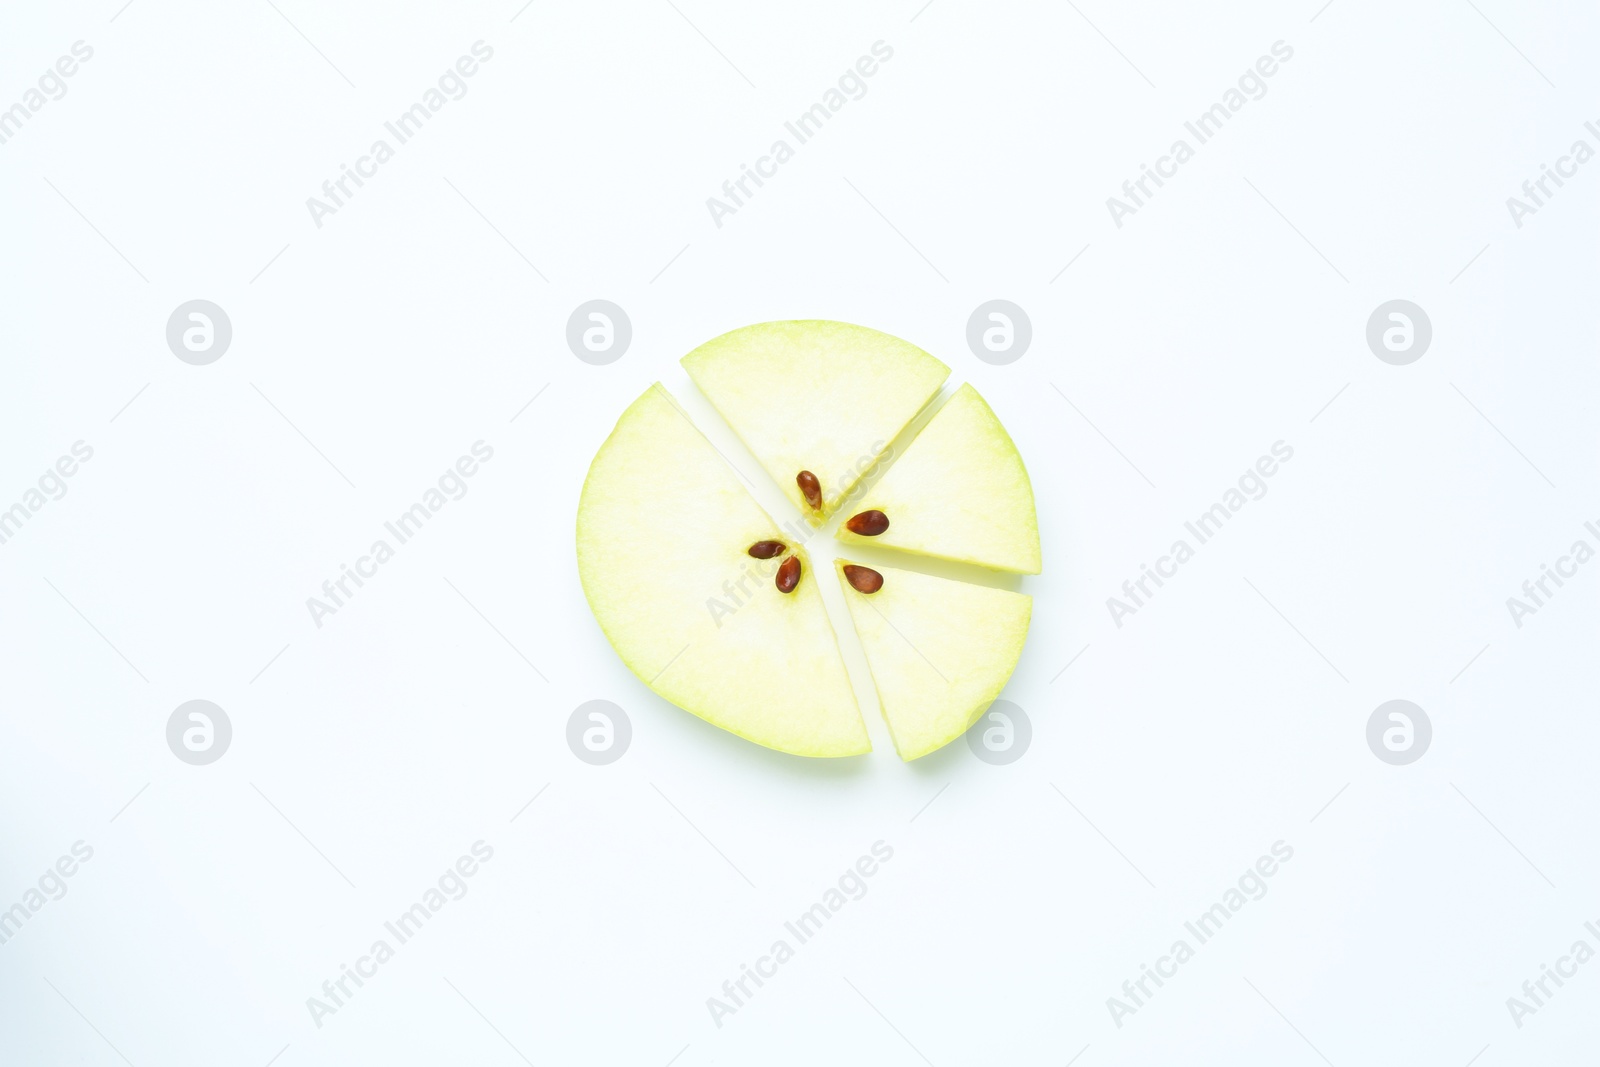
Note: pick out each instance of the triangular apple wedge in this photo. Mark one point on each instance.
(959, 492)
(823, 398)
(665, 534)
(940, 651)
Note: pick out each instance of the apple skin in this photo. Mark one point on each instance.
(663, 532)
(818, 396)
(665, 529)
(940, 651)
(958, 492)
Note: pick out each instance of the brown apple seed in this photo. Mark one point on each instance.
(863, 579)
(767, 549)
(789, 575)
(811, 488)
(868, 523)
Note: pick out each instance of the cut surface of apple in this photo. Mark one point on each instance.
(940, 651)
(817, 396)
(664, 533)
(959, 492)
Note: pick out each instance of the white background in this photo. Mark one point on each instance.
(1221, 318)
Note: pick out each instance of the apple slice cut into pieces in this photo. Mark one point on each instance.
(960, 492)
(810, 395)
(664, 533)
(940, 651)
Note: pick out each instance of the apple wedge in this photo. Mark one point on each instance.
(665, 539)
(815, 398)
(940, 651)
(959, 492)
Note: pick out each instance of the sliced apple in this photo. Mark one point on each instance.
(940, 651)
(665, 531)
(960, 492)
(815, 396)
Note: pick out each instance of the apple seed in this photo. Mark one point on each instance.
(789, 575)
(868, 523)
(767, 549)
(811, 488)
(862, 579)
